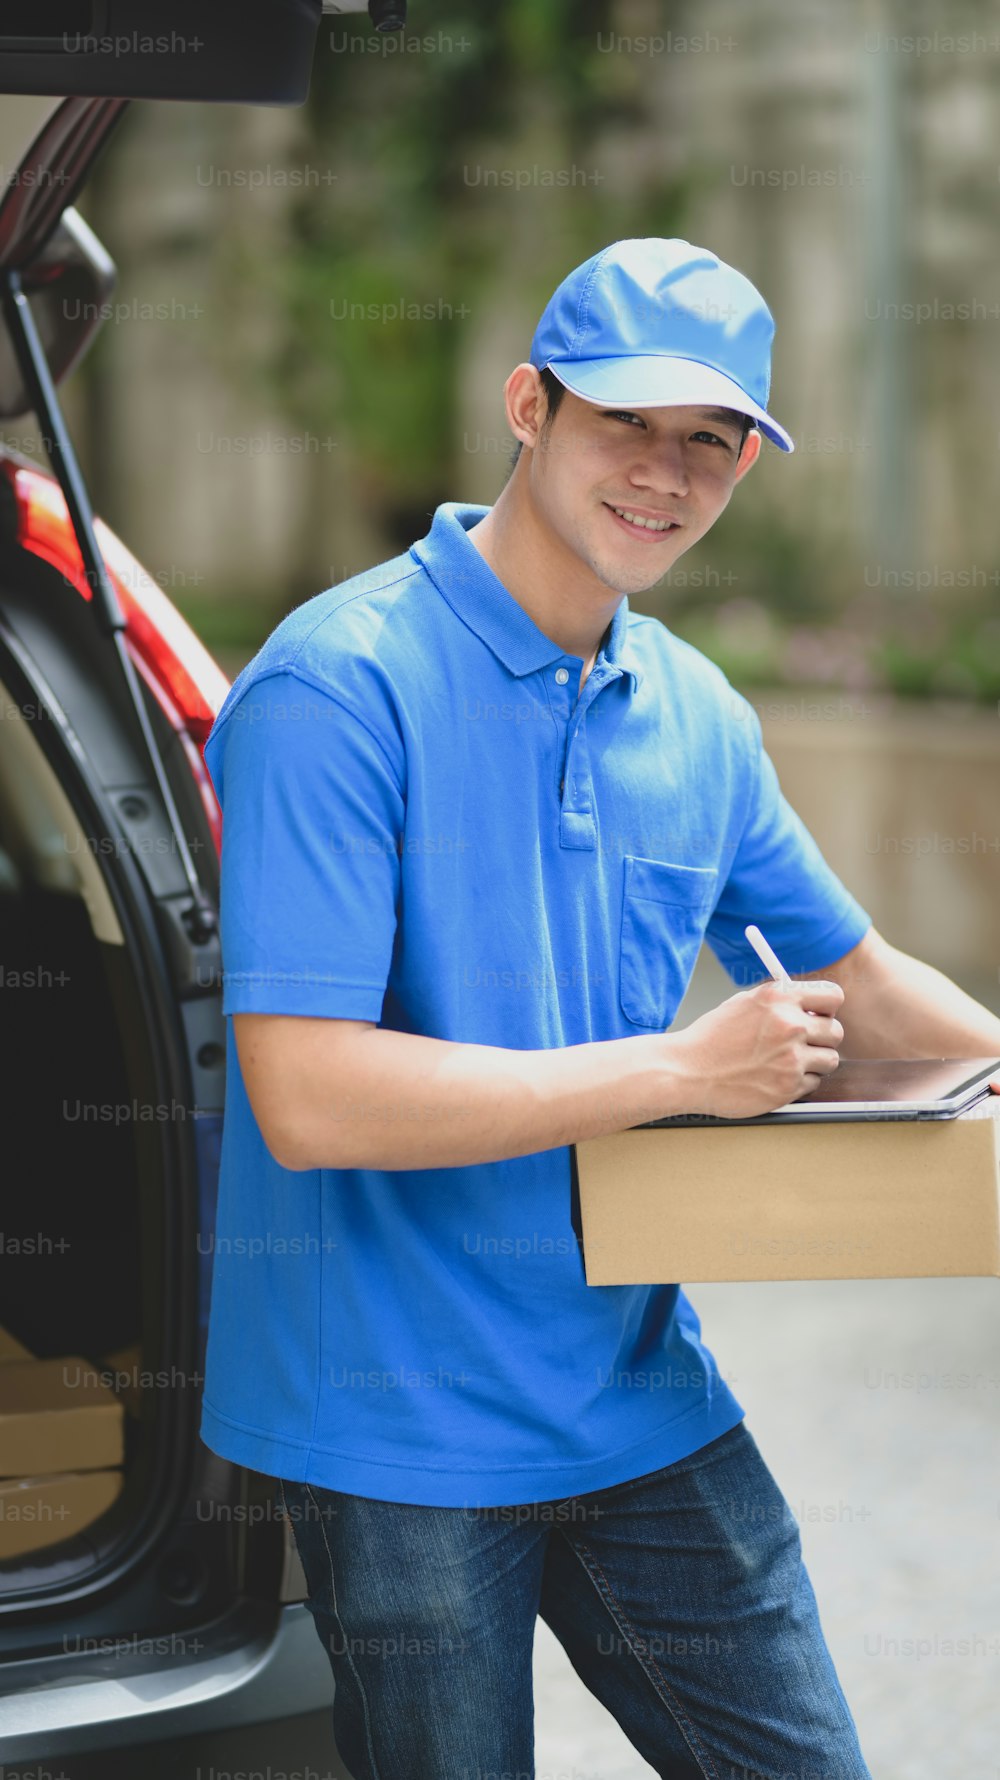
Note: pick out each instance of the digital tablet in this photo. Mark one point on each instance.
(875, 1088)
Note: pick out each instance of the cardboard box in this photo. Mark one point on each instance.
(11, 1348)
(124, 1369)
(55, 1416)
(871, 1199)
(40, 1511)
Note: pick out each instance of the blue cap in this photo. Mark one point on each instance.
(651, 322)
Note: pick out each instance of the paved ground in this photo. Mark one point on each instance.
(821, 1368)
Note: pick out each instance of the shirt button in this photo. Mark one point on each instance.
(562, 675)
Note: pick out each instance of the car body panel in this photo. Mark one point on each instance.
(247, 51)
(253, 1676)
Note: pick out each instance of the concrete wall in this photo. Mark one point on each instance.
(904, 802)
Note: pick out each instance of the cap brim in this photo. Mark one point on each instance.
(658, 381)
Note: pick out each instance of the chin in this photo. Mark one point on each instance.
(630, 571)
(628, 581)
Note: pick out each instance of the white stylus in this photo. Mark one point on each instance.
(767, 957)
(772, 964)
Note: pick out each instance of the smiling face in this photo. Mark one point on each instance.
(625, 491)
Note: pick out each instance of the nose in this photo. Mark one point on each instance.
(661, 468)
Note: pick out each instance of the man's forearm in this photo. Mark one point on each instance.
(408, 1101)
(898, 1006)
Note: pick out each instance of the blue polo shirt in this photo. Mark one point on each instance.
(426, 827)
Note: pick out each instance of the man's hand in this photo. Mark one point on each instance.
(762, 1048)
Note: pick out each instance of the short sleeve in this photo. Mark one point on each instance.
(312, 819)
(780, 882)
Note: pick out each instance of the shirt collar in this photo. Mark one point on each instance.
(482, 601)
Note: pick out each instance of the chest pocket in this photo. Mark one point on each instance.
(665, 910)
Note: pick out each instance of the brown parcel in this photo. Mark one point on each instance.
(56, 1415)
(865, 1199)
(39, 1511)
(11, 1348)
(125, 1368)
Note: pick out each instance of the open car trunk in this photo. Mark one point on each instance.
(109, 990)
(78, 1261)
(144, 1582)
(108, 1152)
(148, 1590)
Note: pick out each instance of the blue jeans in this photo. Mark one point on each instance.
(680, 1598)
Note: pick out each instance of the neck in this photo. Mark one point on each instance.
(559, 593)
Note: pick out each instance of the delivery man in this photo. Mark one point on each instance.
(478, 818)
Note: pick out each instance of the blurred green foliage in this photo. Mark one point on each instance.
(406, 227)
(380, 266)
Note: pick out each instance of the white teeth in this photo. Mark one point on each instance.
(650, 525)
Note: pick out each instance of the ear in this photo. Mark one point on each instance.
(748, 456)
(525, 402)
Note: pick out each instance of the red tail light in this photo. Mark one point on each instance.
(174, 663)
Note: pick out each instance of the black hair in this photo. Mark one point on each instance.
(554, 392)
